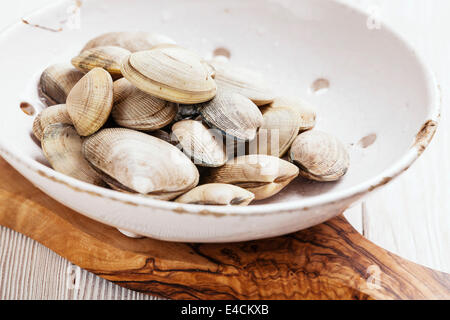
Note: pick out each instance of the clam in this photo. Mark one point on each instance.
(89, 103)
(136, 162)
(203, 145)
(280, 128)
(218, 194)
(138, 110)
(62, 148)
(320, 156)
(236, 148)
(56, 82)
(53, 114)
(107, 57)
(262, 175)
(306, 111)
(132, 41)
(170, 73)
(233, 114)
(243, 81)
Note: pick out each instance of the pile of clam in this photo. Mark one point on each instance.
(138, 114)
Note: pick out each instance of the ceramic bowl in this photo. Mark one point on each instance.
(371, 89)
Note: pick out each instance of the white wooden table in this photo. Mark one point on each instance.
(410, 217)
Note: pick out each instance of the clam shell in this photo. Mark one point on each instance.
(138, 110)
(307, 111)
(320, 156)
(37, 129)
(132, 41)
(53, 114)
(243, 81)
(280, 128)
(170, 73)
(262, 175)
(236, 148)
(203, 145)
(62, 148)
(108, 58)
(56, 82)
(218, 194)
(115, 185)
(90, 102)
(233, 114)
(141, 163)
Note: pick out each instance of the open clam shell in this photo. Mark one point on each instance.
(56, 82)
(233, 114)
(107, 57)
(306, 111)
(218, 194)
(281, 127)
(132, 41)
(202, 144)
(90, 101)
(320, 156)
(140, 163)
(243, 81)
(53, 114)
(262, 175)
(170, 73)
(138, 110)
(62, 148)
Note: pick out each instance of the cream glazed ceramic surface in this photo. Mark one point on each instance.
(370, 88)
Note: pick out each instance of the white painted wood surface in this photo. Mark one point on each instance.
(410, 217)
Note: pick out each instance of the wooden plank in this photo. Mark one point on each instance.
(28, 270)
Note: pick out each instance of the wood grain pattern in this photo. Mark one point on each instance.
(330, 261)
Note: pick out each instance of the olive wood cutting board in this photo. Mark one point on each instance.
(329, 261)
